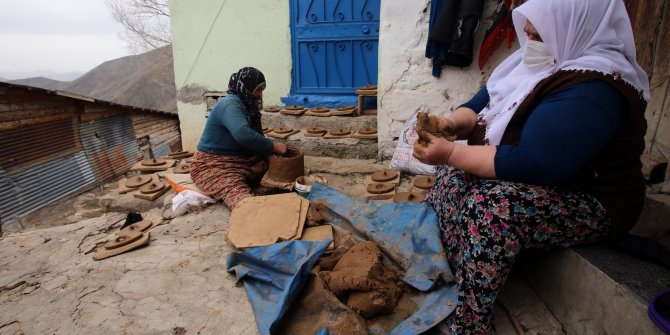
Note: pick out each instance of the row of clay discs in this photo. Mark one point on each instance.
(295, 109)
(319, 130)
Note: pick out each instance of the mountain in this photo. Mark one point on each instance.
(41, 82)
(145, 80)
(60, 76)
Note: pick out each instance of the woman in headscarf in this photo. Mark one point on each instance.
(553, 153)
(232, 150)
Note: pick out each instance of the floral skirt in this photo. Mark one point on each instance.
(485, 223)
(227, 178)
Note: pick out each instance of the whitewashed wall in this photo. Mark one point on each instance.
(405, 80)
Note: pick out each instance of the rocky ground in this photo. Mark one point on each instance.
(178, 284)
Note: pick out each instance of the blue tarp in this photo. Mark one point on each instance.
(273, 277)
(408, 233)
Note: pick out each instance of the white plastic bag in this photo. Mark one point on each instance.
(402, 155)
(187, 199)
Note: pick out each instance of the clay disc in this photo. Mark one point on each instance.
(368, 87)
(153, 162)
(367, 131)
(424, 182)
(294, 108)
(138, 181)
(382, 176)
(183, 168)
(345, 108)
(340, 132)
(320, 109)
(267, 130)
(316, 130)
(177, 153)
(139, 226)
(283, 130)
(380, 188)
(152, 187)
(123, 238)
(408, 197)
(188, 160)
(272, 109)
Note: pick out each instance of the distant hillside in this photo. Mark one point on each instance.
(41, 82)
(145, 80)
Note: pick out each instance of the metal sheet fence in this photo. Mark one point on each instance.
(110, 146)
(31, 189)
(32, 178)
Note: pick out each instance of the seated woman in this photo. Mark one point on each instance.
(232, 150)
(553, 153)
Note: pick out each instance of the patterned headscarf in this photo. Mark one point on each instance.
(243, 83)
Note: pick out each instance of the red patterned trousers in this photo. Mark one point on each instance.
(227, 177)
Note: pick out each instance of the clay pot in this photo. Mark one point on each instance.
(286, 168)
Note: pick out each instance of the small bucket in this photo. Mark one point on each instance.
(303, 184)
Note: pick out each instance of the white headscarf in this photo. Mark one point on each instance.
(580, 35)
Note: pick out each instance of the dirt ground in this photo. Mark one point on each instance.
(346, 175)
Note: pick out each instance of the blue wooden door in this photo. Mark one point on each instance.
(334, 44)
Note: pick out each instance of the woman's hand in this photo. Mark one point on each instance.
(278, 148)
(432, 150)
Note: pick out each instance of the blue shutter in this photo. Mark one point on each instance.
(334, 46)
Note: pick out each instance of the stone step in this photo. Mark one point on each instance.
(596, 289)
(315, 146)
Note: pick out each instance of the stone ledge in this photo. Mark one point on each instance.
(276, 120)
(587, 299)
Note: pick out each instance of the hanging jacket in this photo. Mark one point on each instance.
(451, 32)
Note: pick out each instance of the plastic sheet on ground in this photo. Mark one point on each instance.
(273, 276)
(407, 233)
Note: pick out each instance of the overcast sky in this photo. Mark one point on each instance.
(60, 36)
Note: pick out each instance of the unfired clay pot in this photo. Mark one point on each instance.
(286, 168)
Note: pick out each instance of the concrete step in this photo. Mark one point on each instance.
(596, 289)
(316, 146)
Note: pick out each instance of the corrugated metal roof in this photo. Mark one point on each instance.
(31, 189)
(78, 97)
(110, 146)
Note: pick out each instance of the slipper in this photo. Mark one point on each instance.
(659, 311)
(124, 240)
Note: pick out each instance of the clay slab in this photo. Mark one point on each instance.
(264, 220)
(319, 233)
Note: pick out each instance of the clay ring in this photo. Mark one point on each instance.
(320, 109)
(272, 109)
(345, 108)
(368, 131)
(152, 187)
(340, 132)
(283, 130)
(294, 108)
(424, 182)
(380, 188)
(138, 181)
(408, 197)
(383, 176)
(153, 162)
(316, 130)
